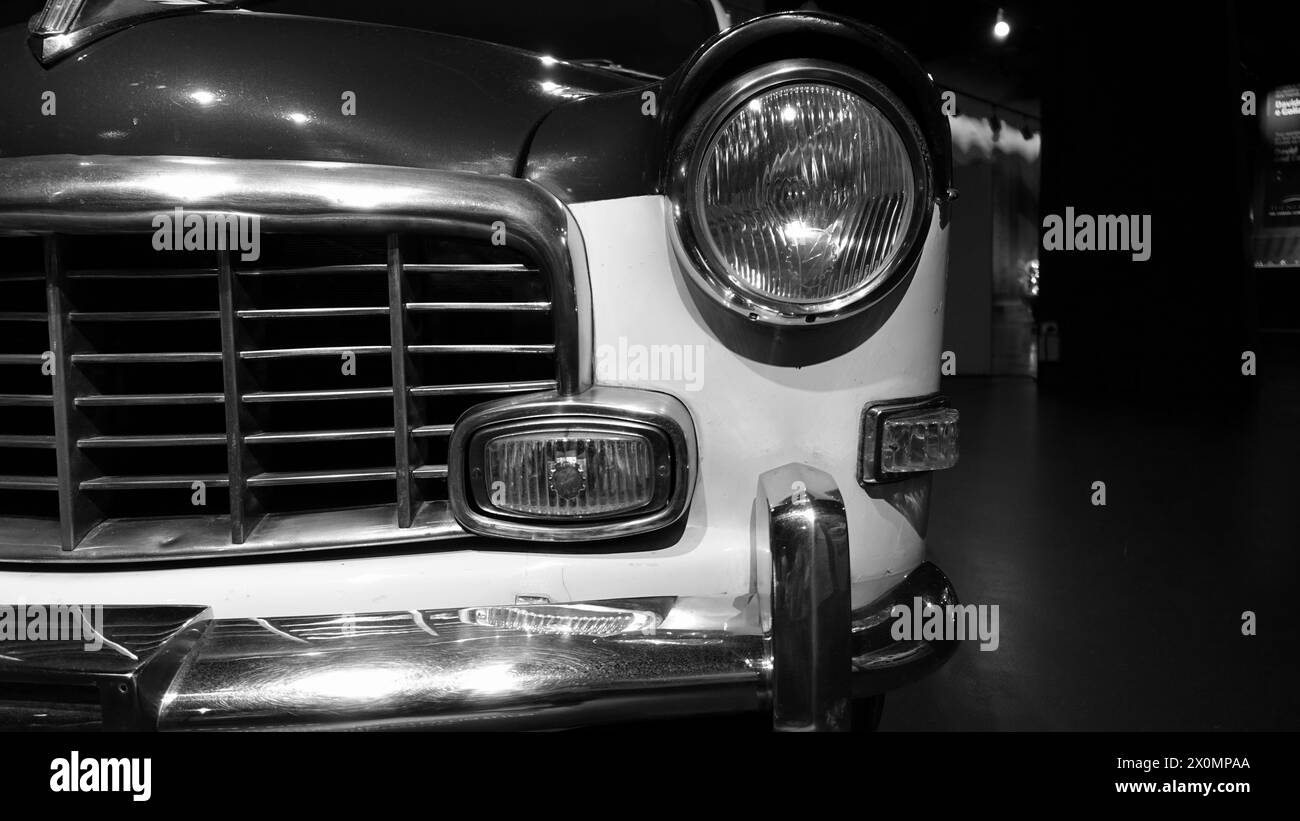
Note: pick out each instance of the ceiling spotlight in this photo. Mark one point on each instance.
(1001, 28)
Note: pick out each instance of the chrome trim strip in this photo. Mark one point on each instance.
(658, 410)
(808, 539)
(33, 541)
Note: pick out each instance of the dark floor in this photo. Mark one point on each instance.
(1128, 616)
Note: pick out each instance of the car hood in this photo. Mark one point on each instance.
(258, 86)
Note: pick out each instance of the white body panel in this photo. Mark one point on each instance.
(750, 417)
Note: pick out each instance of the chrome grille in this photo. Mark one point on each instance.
(259, 388)
(28, 471)
(141, 337)
(311, 392)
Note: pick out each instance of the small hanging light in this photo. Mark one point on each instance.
(1001, 28)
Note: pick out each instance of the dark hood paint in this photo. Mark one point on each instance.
(654, 36)
(247, 85)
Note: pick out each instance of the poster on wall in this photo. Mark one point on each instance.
(1277, 192)
(1281, 123)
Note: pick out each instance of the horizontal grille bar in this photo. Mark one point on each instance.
(509, 307)
(432, 430)
(153, 482)
(436, 349)
(22, 441)
(368, 268)
(436, 268)
(130, 399)
(26, 400)
(301, 313)
(484, 388)
(318, 436)
(290, 353)
(321, 477)
(142, 316)
(317, 396)
(128, 358)
(127, 273)
(29, 482)
(152, 441)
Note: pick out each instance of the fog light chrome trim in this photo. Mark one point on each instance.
(599, 407)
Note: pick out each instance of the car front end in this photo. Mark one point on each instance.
(541, 394)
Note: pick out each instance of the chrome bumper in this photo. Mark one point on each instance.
(793, 647)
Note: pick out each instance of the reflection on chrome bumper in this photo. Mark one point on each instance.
(792, 647)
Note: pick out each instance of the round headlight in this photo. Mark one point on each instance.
(802, 191)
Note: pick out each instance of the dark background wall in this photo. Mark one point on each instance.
(1132, 126)
(968, 313)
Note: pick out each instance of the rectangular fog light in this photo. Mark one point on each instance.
(906, 437)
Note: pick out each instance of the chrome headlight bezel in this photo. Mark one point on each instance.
(691, 231)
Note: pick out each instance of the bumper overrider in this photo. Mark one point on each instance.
(797, 649)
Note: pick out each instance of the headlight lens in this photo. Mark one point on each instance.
(803, 197)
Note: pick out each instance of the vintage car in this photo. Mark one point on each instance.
(364, 369)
